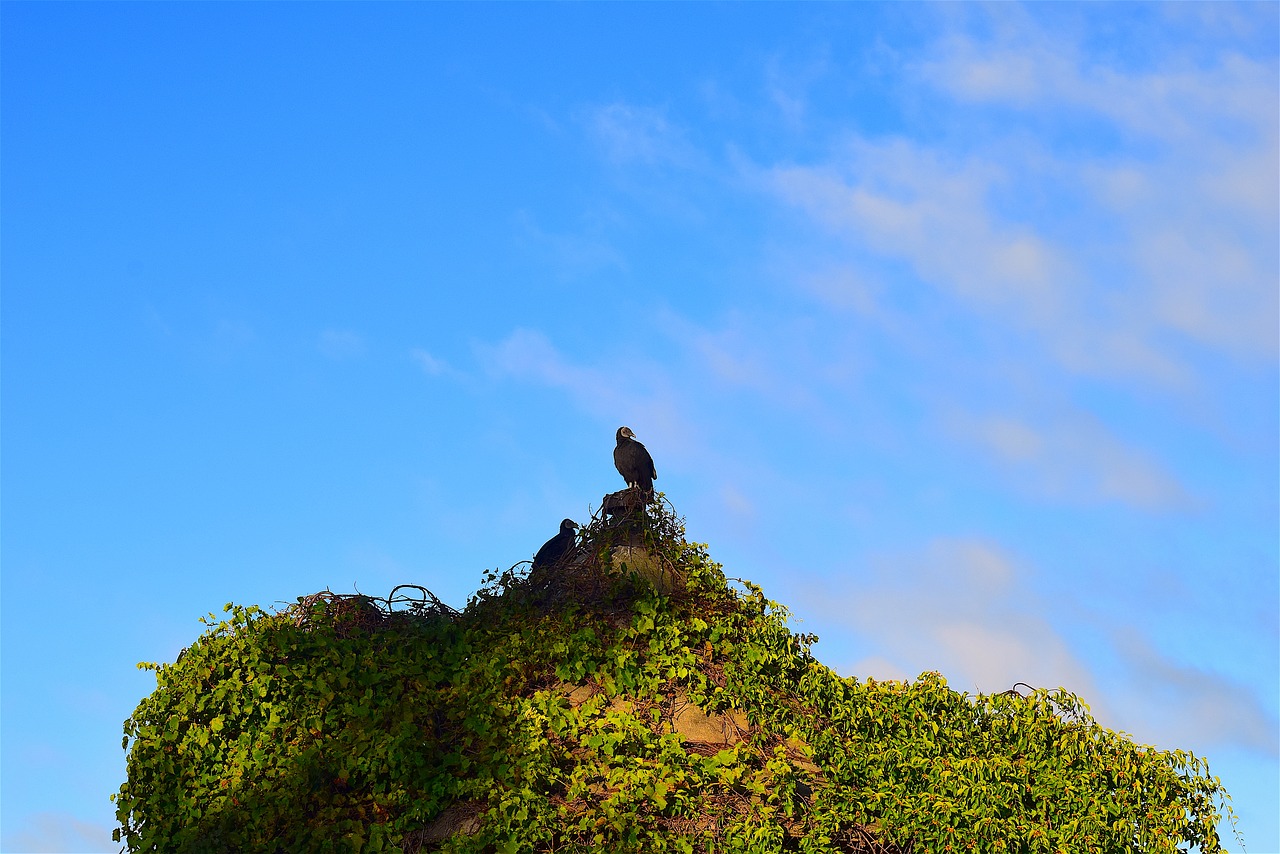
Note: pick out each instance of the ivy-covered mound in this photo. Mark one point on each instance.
(631, 699)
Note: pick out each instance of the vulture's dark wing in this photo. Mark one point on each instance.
(633, 461)
(555, 548)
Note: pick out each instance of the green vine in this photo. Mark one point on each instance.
(549, 716)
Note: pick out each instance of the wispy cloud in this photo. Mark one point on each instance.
(1024, 65)
(968, 608)
(1159, 242)
(616, 386)
(747, 352)
(529, 355)
(1073, 457)
(961, 606)
(1199, 209)
(429, 364)
(629, 388)
(787, 83)
(340, 344)
(573, 254)
(59, 832)
(932, 210)
(1180, 704)
(633, 134)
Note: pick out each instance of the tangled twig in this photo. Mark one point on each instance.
(349, 612)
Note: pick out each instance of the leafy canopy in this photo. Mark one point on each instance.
(546, 717)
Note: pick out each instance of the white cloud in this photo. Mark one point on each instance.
(340, 344)
(675, 406)
(966, 608)
(643, 135)
(786, 359)
(573, 255)
(1163, 236)
(625, 389)
(1202, 208)
(528, 355)
(1073, 457)
(60, 832)
(848, 289)
(1009, 438)
(1180, 704)
(961, 607)
(1026, 66)
(1233, 21)
(787, 83)
(1198, 235)
(904, 200)
(737, 504)
(429, 364)
(735, 354)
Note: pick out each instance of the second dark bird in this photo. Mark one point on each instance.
(633, 461)
(555, 548)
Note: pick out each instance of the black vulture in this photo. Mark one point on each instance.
(556, 547)
(633, 461)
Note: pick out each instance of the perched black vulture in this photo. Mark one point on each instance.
(633, 461)
(556, 547)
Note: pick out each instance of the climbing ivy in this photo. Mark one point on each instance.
(544, 718)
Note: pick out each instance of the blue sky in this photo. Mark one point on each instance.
(955, 327)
